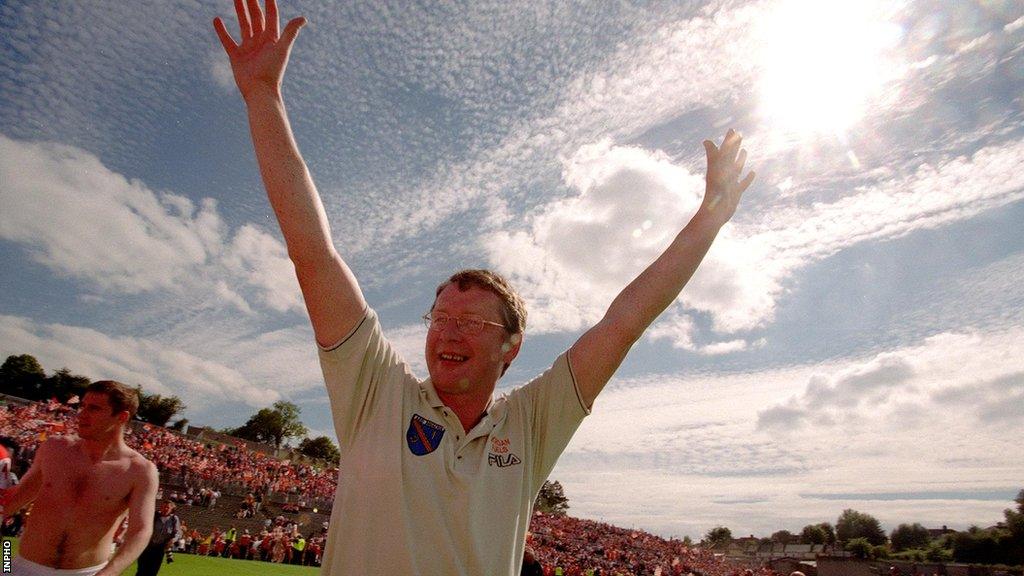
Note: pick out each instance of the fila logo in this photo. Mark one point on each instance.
(502, 460)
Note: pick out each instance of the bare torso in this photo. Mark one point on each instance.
(80, 504)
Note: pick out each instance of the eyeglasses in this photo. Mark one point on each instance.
(468, 325)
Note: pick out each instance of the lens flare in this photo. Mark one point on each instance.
(824, 62)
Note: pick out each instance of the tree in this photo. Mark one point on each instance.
(909, 536)
(180, 425)
(718, 536)
(782, 537)
(22, 376)
(1003, 544)
(813, 534)
(977, 546)
(687, 541)
(158, 410)
(63, 385)
(551, 499)
(1015, 526)
(272, 425)
(830, 532)
(860, 548)
(321, 448)
(938, 553)
(852, 525)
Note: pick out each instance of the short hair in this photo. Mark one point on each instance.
(513, 309)
(120, 397)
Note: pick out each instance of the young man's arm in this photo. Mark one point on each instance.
(17, 497)
(141, 508)
(332, 295)
(598, 353)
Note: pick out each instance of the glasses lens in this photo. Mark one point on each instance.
(436, 321)
(471, 326)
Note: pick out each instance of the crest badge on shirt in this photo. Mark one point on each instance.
(423, 436)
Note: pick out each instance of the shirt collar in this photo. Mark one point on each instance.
(495, 409)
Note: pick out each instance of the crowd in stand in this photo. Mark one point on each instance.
(180, 459)
(281, 543)
(581, 547)
(563, 545)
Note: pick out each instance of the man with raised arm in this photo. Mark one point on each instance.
(439, 476)
(81, 488)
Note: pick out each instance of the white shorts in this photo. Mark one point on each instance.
(24, 567)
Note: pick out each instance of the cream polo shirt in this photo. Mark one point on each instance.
(418, 495)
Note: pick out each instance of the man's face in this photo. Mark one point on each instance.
(166, 508)
(459, 363)
(96, 418)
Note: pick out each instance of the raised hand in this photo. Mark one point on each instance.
(724, 188)
(258, 63)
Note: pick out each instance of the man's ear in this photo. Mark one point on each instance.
(510, 349)
(123, 416)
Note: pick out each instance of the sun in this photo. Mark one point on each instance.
(824, 62)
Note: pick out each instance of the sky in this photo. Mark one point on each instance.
(852, 339)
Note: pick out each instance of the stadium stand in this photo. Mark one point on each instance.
(212, 480)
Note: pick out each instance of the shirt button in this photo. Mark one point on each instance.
(460, 457)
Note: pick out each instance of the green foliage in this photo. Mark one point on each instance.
(908, 536)
(63, 385)
(158, 410)
(321, 448)
(551, 499)
(852, 525)
(909, 555)
(830, 532)
(936, 552)
(22, 376)
(977, 546)
(272, 425)
(860, 548)
(1015, 526)
(180, 425)
(687, 541)
(813, 534)
(718, 536)
(783, 537)
(1003, 544)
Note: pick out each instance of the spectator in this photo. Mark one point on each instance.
(531, 567)
(166, 529)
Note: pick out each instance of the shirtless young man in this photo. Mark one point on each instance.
(81, 488)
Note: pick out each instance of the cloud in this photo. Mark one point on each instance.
(408, 341)
(262, 262)
(83, 221)
(996, 402)
(114, 231)
(724, 347)
(759, 439)
(682, 64)
(829, 397)
(573, 255)
(969, 371)
(160, 369)
(220, 70)
(571, 261)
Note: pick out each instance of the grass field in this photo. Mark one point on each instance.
(189, 565)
